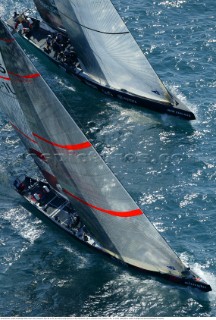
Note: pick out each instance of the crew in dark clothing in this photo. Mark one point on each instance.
(15, 15)
(49, 41)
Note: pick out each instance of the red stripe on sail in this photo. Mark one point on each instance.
(78, 146)
(28, 76)
(7, 40)
(5, 78)
(124, 214)
(31, 150)
(25, 135)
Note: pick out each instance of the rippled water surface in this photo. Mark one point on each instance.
(167, 165)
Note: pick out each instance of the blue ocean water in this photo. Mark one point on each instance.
(166, 164)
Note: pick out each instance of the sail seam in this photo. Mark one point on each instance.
(78, 146)
(121, 214)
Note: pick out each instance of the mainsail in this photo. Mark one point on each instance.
(49, 13)
(104, 205)
(107, 51)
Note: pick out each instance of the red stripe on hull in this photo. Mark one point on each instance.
(124, 214)
(78, 146)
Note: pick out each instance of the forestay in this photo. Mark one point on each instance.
(107, 51)
(106, 208)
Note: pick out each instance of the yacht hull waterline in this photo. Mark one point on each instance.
(60, 214)
(42, 31)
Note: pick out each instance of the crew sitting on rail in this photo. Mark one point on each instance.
(56, 48)
(27, 27)
(49, 42)
(30, 22)
(85, 232)
(46, 189)
(74, 221)
(24, 24)
(81, 233)
(18, 18)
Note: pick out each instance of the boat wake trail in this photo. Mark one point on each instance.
(206, 276)
(210, 278)
(5, 185)
(176, 91)
(2, 11)
(23, 232)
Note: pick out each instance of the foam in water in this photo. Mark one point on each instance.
(2, 11)
(176, 92)
(66, 85)
(210, 278)
(81, 260)
(28, 230)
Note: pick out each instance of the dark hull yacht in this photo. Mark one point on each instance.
(105, 70)
(58, 209)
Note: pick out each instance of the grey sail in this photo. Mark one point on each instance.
(11, 107)
(107, 50)
(106, 208)
(49, 13)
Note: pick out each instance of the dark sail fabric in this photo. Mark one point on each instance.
(104, 205)
(10, 106)
(49, 13)
(107, 51)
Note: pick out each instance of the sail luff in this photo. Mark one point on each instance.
(106, 208)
